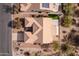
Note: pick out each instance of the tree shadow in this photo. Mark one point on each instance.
(73, 38)
(11, 24)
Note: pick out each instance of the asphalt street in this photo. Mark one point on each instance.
(5, 32)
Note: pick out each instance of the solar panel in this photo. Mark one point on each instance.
(46, 5)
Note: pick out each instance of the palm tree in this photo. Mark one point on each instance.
(68, 9)
(68, 14)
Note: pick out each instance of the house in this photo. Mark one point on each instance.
(39, 29)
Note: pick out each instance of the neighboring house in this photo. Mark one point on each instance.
(40, 6)
(49, 6)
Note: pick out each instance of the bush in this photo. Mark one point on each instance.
(17, 23)
(16, 8)
(17, 48)
(56, 46)
(26, 53)
(67, 21)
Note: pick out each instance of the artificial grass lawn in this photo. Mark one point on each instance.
(53, 16)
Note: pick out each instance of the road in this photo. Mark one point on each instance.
(5, 33)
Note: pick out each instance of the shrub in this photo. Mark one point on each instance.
(26, 53)
(67, 21)
(55, 45)
(17, 23)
